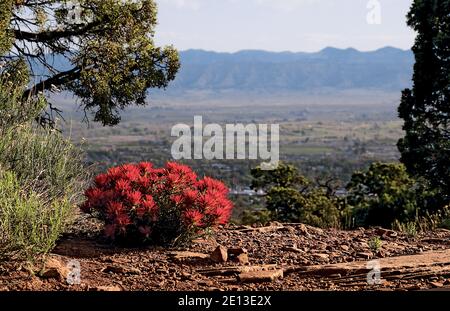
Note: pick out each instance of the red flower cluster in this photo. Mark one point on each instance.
(141, 201)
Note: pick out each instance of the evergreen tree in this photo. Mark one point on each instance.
(425, 150)
(108, 44)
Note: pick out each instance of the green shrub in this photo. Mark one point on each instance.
(44, 161)
(293, 198)
(445, 223)
(386, 195)
(375, 244)
(410, 228)
(313, 207)
(41, 158)
(42, 176)
(434, 220)
(256, 216)
(381, 195)
(320, 211)
(28, 225)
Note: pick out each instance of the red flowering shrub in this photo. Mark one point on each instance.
(138, 202)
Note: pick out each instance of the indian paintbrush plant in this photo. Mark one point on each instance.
(166, 206)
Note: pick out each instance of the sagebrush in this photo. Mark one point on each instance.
(42, 176)
(29, 225)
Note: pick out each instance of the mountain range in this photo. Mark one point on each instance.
(387, 68)
(255, 70)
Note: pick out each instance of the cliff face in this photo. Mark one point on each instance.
(277, 257)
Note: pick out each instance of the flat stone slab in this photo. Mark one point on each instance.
(188, 255)
(260, 276)
(236, 270)
(437, 262)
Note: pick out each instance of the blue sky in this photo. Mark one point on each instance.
(282, 25)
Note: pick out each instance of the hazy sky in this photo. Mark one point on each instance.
(282, 25)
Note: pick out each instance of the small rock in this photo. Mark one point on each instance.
(54, 269)
(437, 284)
(237, 251)
(288, 229)
(336, 275)
(182, 256)
(220, 254)
(134, 271)
(364, 245)
(205, 283)
(321, 246)
(242, 259)
(316, 230)
(345, 247)
(186, 276)
(121, 270)
(113, 288)
(162, 270)
(260, 276)
(335, 255)
(302, 228)
(239, 255)
(321, 256)
(293, 249)
(275, 224)
(162, 283)
(386, 232)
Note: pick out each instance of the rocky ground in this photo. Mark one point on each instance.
(276, 257)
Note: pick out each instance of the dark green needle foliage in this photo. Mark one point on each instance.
(425, 150)
(108, 43)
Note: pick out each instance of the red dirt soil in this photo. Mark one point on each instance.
(299, 257)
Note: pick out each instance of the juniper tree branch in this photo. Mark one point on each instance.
(56, 80)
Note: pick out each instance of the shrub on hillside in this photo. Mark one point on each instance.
(140, 203)
(312, 207)
(381, 195)
(29, 225)
(42, 176)
(256, 216)
(386, 195)
(41, 158)
(291, 197)
(44, 161)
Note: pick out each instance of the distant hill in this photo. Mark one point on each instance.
(387, 68)
(253, 70)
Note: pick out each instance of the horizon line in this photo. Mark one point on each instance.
(296, 52)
